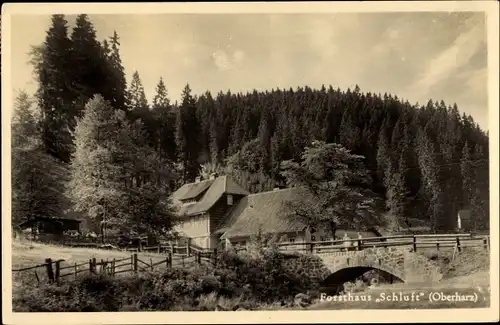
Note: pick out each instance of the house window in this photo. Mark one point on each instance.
(313, 238)
(229, 200)
(322, 238)
(291, 239)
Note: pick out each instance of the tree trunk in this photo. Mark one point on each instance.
(333, 229)
(102, 232)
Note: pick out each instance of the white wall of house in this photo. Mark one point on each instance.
(197, 228)
(324, 234)
(297, 237)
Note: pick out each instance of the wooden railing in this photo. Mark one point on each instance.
(438, 241)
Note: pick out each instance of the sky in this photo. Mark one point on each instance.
(414, 55)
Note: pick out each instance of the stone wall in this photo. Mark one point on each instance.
(400, 262)
(311, 266)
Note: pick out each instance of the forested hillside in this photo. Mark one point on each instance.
(427, 161)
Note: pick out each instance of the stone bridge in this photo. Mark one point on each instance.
(335, 268)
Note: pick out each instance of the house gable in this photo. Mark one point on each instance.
(195, 198)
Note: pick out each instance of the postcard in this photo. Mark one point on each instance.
(244, 162)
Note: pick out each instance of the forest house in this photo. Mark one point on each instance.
(219, 212)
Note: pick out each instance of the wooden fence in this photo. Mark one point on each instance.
(54, 270)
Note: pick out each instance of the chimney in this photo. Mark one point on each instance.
(197, 179)
(213, 176)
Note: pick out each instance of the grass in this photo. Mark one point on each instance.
(26, 253)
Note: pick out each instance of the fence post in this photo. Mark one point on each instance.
(188, 249)
(173, 248)
(311, 247)
(437, 246)
(58, 270)
(50, 272)
(485, 243)
(359, 245)
(113, 263)
(159, 248)
(458, 244)
(414, 244)
(94, 264)
(103, 266)
(169, 260)
(134, 259)
(151, 261)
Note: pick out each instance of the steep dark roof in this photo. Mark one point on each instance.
(30, 222)
(262, 211)
(195, 189)
(212, 193)
(265, 212)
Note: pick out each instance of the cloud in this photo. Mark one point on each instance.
(451, 59)
(226, 62)
(238, 57)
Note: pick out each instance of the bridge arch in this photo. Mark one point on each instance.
(402, 263)
(333, 269)
(350, 274)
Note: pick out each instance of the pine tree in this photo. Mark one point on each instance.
(54, 64)
(25, 132)
(35, 185)
(383, 155)
(118, 80)
(187, 135)
(349, 133)
(468, 177)
(164, 122)
(136, 99)
(430, 179)
(138, 108)
(397, 193)
(89, 75)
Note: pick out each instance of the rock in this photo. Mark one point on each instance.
(302, 300)
(220, 308)
(238, 307)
